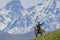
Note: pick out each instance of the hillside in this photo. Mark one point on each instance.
(50, 36)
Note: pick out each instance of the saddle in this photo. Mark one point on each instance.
(38, 30)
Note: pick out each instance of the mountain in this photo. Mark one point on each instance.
(50, 36)
(16, 19)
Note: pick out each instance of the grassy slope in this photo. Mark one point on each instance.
(50, 36)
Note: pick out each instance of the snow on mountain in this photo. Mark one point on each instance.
(18, 17)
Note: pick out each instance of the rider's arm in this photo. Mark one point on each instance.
(42, 23)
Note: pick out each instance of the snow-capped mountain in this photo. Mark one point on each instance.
(19, 16)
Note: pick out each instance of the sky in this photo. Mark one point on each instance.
(3, 3)
(29, 3)
(25, 3)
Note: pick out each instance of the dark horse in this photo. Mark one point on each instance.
(40, 32)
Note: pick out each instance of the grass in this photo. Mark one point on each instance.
(50, 36)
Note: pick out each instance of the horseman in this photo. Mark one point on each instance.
(39, 26)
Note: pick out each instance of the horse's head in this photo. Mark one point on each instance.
(35, 29)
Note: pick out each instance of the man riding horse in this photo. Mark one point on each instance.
(39, 26)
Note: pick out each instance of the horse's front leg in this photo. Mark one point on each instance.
(36, 35)
(41, 33)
